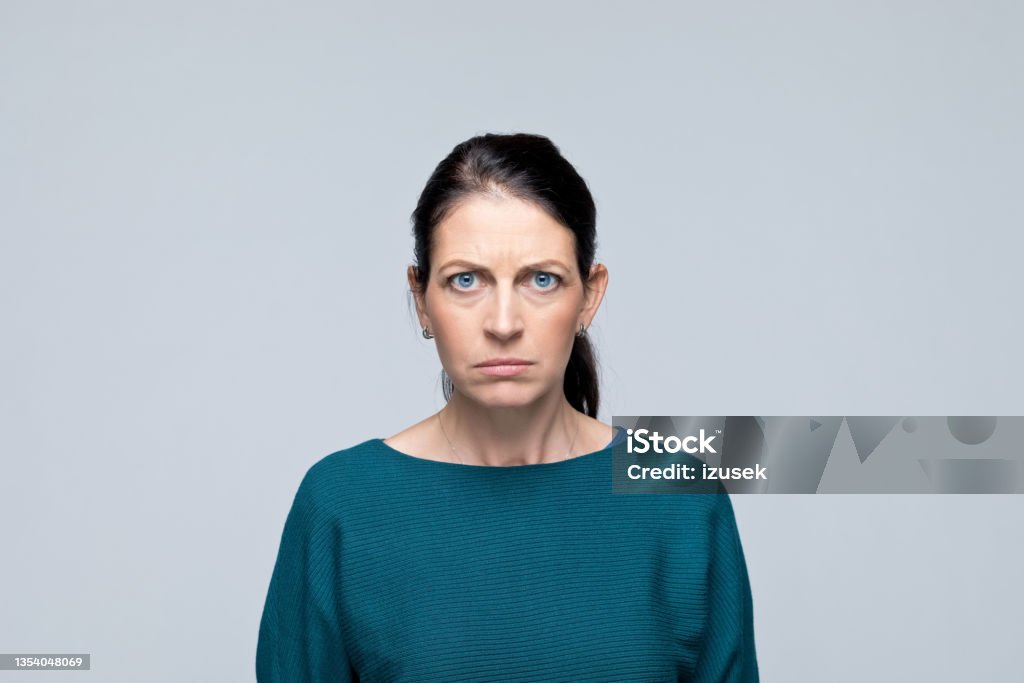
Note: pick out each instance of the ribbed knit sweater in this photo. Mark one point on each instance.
(398, 568)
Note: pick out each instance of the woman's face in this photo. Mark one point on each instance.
(504, 284)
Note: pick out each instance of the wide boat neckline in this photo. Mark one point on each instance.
(536, 465)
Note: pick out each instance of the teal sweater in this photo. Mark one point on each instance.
(397, 568)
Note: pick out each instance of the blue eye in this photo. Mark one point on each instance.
(545, 280)
(463, 280)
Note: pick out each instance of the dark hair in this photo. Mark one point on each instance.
(531, 168)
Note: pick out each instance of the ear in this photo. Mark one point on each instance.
(414, 287)
(597, 283)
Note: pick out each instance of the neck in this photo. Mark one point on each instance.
(544, 431)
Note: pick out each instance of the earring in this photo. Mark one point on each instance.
(582, 332)
(426, 334)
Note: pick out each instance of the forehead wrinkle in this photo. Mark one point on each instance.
(504, 243)
(489, 232)
(500, 257)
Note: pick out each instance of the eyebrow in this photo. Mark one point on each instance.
(538, 265)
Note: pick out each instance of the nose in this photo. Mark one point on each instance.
(504, 315)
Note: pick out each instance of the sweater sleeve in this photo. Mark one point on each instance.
(300, 631)
(728, 654)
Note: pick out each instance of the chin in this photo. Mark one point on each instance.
(505, 395)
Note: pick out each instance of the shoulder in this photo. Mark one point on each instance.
(333, 489)
(341, 471)
(705, 519)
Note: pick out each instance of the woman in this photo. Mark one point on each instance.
(484, 542)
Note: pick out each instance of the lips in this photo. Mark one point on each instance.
(504, 367)
(503, 361)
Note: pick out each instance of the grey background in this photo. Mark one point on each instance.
(805, 208)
